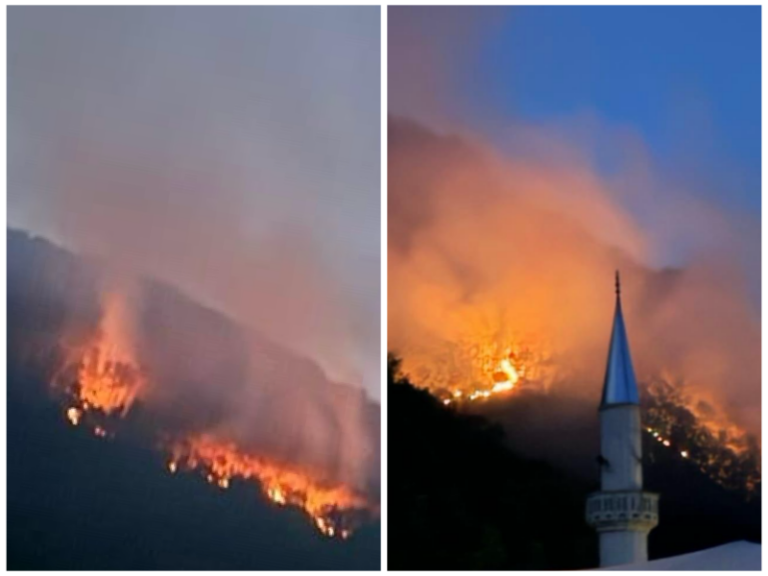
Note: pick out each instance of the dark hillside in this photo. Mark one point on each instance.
(80, 502)
(465, 491)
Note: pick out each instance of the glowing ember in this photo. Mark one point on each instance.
(723, 451)
(332, 507)
(74, 415)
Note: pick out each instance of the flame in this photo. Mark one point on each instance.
(107, 382)
(678, 416)
(74, 415)
(478, 372)
(102, 377)
(332, 507)
(102, 382)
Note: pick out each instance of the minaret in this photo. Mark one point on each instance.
(621, 512)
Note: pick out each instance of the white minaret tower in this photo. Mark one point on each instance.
(621, 512)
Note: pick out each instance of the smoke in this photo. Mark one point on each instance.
(231, 152)
(486, 248)
(183, 371)
(505, 230)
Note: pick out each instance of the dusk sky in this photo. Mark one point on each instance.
(233, 152)
(533, 151)
(673, 91)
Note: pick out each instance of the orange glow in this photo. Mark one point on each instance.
(102, 378)
(332, 507)
(104, 384)
(107, 382)
(481, 372)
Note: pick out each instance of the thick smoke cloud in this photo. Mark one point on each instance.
(490, 248)
(231, 152)
(505, 229)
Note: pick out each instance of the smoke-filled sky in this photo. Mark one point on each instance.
(534, 150)
(233, 152)
(668, 94)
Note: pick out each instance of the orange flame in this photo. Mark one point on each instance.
(455, 377)
(108, 383)
(103, 380)
(107, 380)
(104, 384)
(479, 372)
(330, 506)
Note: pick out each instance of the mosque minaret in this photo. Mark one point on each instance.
(621, 512)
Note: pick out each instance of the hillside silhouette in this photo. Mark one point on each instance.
(504, 487)
(80, 502)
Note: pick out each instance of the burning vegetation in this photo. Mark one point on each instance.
(674, 416)
(478, 372)
(101, 382)
(102, 378)
(334, 509)
(696, 430)
(498, 286)
(104, 384)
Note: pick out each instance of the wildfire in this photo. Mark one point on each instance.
(102, 378)
(333, 508)
(103, 383)
(675, 416)
(108, 382)
(678, 420)
(481, 371)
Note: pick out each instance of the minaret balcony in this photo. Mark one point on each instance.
(623, 510)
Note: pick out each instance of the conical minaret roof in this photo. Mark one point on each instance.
(620, 386)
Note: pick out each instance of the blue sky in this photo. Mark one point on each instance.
(687, 79)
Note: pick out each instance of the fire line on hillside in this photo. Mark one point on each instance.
(674, 417)
(102, 382)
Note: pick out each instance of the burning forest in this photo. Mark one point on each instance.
(105, 381)
(112, 371)
(194, 288)
(495, 273)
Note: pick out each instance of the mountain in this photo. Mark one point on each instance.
(80, 502)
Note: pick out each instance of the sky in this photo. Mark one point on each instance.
(232, 152)
(678, 85)
(534, 150)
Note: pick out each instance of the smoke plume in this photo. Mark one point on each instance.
(522, 249)
(234, 155)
